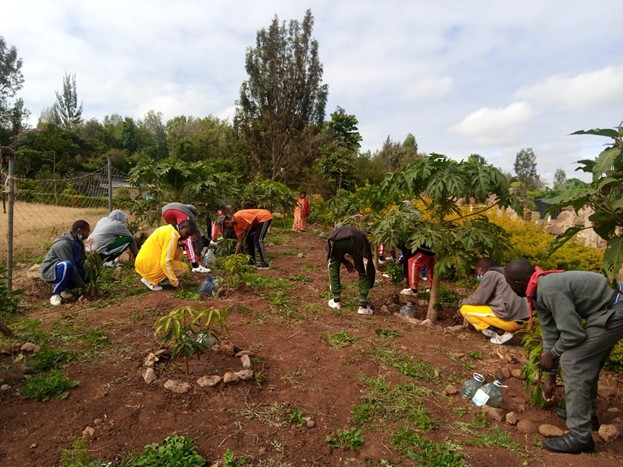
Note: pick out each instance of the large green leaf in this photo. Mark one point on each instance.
(613, 258)
(561, 239)
(606, 160)
(608, 132)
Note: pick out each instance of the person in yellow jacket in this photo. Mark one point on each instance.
(159, 257)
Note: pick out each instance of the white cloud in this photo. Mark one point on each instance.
(579, 93)
(502, 126)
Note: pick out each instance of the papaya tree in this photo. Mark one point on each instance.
(437, 185)
(604, 195)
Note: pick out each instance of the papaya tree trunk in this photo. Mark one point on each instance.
(433, 301)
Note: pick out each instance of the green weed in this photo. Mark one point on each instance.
(426, 452)
(230, 459)
(405, 364)
(345, 439)
(173, 450)
(47, 359)
(389, 334)
(299, 278)
(497, 438)
(339, 340)
(53, 383)
(296, 417)
(77, 456)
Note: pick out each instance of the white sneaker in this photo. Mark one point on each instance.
(201, 269)
(150, 286)
(365, 310)
(489, 332)
(501, 339)
(386, 275)
(66, 294)
(56, 300)
(335, 305)
(111, 264)
(408, 292)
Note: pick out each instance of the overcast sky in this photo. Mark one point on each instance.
(463, 76)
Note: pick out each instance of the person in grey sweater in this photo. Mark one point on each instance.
(493, 308)
(111, 237)
(63, 265)
(581, 319)
(174, 214)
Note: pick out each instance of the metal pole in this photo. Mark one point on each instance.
(9, 230)
(109, 184)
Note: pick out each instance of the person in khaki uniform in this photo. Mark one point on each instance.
(159, 257)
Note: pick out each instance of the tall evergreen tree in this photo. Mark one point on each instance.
(11, 81)
(67, 112)
(283, 100)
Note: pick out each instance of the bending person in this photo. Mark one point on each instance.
(493, 308)
(350, 243)
(111, 237)
(159, 257)
(174, 214)
(254, 223)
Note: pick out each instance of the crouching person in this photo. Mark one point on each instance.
(158, 260)
(111, 237)
(343, 243)
(63, 266)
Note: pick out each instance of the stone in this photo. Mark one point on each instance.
(506, 373)
(209, 381)
(550, 431)
(521, 408)
(179, 387)
(244, 375)
(150, 360)
(224, 348)
(30, 347)
(511, 418)
(300, 255)
(384, 310)
(495, 413)
(526, 426)
(614, 410)
(97, 422)
(456, 328)
(230, 377)
(608, 433)
(246, 362)
(149, 375)
(516, 373)
(4, 388)
(310, 424)
(451, 390)
(243, 352)
(33, 445)
(88, 432)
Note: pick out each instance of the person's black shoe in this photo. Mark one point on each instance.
(568, 444)
(562, 413)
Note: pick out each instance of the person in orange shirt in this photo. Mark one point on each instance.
(254, 223)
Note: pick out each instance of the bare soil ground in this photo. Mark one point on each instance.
(286, 325)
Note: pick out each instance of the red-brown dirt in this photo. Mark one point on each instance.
(295, 368)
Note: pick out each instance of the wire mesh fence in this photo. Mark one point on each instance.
(45, 208)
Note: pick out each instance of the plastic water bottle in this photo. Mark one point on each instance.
(490, 394)
(210, 258)
(408, 310)
(472, 385)
(207, 286)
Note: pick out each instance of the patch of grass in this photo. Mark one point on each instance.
(387, 333)
(497, 438)
(53, 383)
(426, 452)
(278, 298)
(47, 359)
(405, 364)
(345, 439)
(275, 415)
(263, 282)
(185, 294)
(459, 411)
(77, 456)
(299, 278)
(385, 402)
(339, 340)
(474, 355)
(313, 308)
(293, 377)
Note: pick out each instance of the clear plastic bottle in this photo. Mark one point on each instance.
(472, 385)
(408, 310)
(210, 257)
(490, 394)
